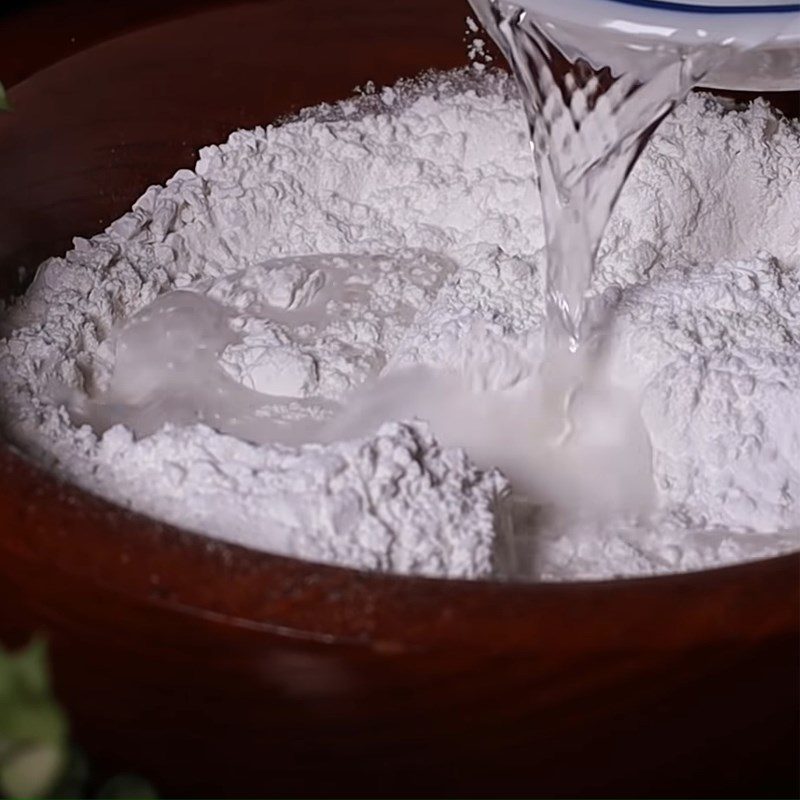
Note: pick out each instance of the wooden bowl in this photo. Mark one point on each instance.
(214, 670)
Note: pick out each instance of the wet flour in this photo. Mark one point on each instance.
(214, 337)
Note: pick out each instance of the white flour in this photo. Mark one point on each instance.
(401, 231)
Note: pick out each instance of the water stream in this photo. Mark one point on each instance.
(589, 119)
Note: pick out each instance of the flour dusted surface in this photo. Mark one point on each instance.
(400, 231)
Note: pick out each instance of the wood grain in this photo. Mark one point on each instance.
(217, 671)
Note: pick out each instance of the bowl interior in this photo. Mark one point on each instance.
(90, 132)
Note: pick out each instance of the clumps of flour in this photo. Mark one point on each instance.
(400, 231)
(394, 502)
(322, 325)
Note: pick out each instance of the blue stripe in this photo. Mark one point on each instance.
(777, 8)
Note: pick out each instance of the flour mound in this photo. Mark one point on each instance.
(401, 231)
(395, 502)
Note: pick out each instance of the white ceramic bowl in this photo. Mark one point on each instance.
(766, 33)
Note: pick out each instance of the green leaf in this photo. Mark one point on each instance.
(25, 672)
(127, 787)
(33, 727)
(5, 105)
(36, 760)
(31, 771)
(74, 777)
(34, 671)
(29, 713)
(24, 720)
